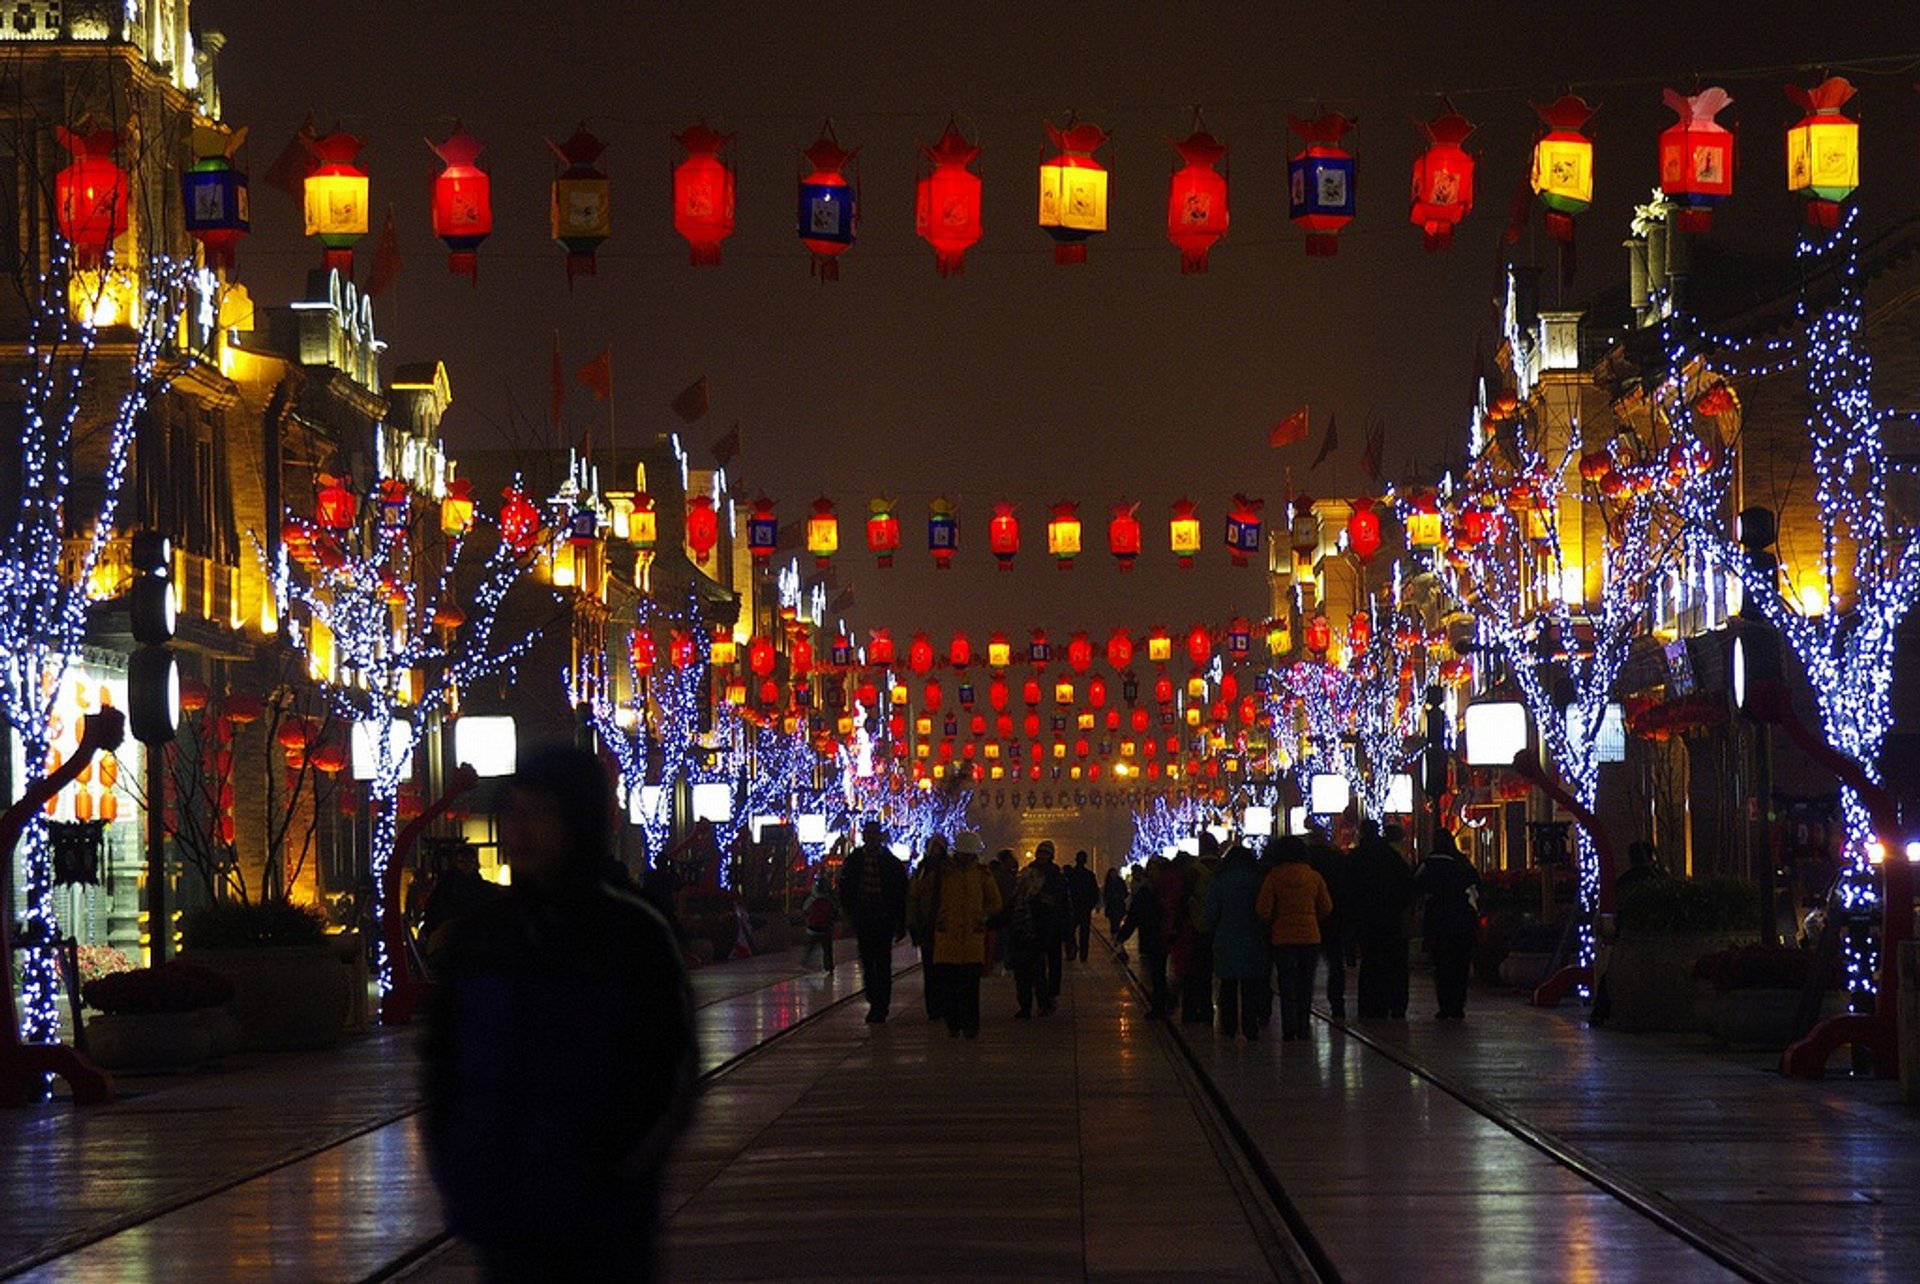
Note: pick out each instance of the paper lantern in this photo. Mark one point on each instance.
(90, 195)
(1073, 191)
(334, 198)
(800, 653)
(1563, 163)
(1199, 644)
(462, 202)
(703, 194)
(1097, 691)
(1363, 530)
(1030, 694)
(1119, 650)
(1279, 639)
(1196, 685)
(760, 657)
(1063, 534)
(396, 503)
(999, 651)
(1823, 149)
(1239, 639)
(823, 533)
(1320, 181)
(883, 532)
(946, 202)
(1123, 534)
(1063, 690)
(1183, 530)
(841, 652)
(1243, 528)
(1359, 632)
(641, 652)
(215, 204)
(703, 527)
(829, 205)
(1319, 635)
(334, 507)
(880, 648)
(943, 533)
(643, 523)
(763, 531)
(932, 697)
(920, 654)
(1197, 199)
(1079, 653)
(1424, 527)
(1159, 646)
(1696, 157)
(456, 510)
(997, 694)
(1003, 534)
(582, 209)
(1039, 650)
(1442, 179)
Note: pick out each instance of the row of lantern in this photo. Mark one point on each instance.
(1696, 166)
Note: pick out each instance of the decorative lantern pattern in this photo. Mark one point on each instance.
(215, 203)
(334, 198)
(519, 520)
(456, 510)
(829, 205)
(582, 214)
(1183, 530)
(703, 194)
(1823, 149)
(1119, 650)
(1199, 645)
(91, 195)
(823, 533)
(703, 528)
(883, 532)
(1073, 191)
(959, 651)
(462, 204)
(880, 649)
(1696, 157)
(1197, 199)
(1319, 635)
(1003, 534)
(1243, 528)
(943, 533)
(334, 507)
(763, 531)
(999, 650)
(1363, 530)
(1079, 653)
(1442, 179)
(1063, 534)
(1563, 163)
(1320, 181)
(946, 202)
(1123, 534)
(920, 654)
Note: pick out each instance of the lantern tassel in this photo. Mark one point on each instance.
(1193, 263)
(338, 260)
(1694, 219)
(464, 263)
(949, 264)
(1824, 215)
(581, 264)
(826, 269)
(704, 255)
(1322, 244)
(1065, 255)
(1439, 237)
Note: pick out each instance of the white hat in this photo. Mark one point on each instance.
(968, 844)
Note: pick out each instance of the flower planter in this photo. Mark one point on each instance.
(1650, 977)
(150, 1041)
(1525, 970)
(1762, 1019)
(286, 997)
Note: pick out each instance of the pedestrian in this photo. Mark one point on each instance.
(1049, 920)
(961, 896)
(1113, 899)
(1146, 918)
(458, 891)
(873, 893)
(820, 911)
(1292, 902)
(660, 888)
(1449, 922)
(920, 904)
(1240, 943)
(1005, 870)
(1335, 869)
(1381, 884)
(1643, 865)
(1083, 895)
(560, 1055)
(1196, 981)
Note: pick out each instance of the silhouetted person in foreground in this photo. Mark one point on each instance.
(560, 1056)
(1380, 886)
(873, 893)
(1083, 895)
(1450, 884)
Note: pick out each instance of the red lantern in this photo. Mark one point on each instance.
(1320, 181)
(1003, 534)
(1073, 191)
(703, 528)
(959, 651)
(519, 520)
(462, 202)
(920, 654)
(1319, 635)
(867, 694)
(703, 194)
(640, 650)
(829, 204)
(334, 198)
(1030, 692)
(334, 507)
(1359, 632)
(880, 649)
(800, 653)
(760, 657)
(1476, 526)
(1442, 179)
(946, 202)
(1119, 650)
(1163, 690)
(997, 694)
(1249, 710)
(1243, 528)
(1197, 199)
(1079, 653)
(331, 759)
(1123, 534)
(1139, 720)
(931, 698)
(241, 708)
(1696, 157)
(883, 532)
(1363, 530)
(1096, 692)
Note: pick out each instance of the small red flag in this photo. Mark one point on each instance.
(691, 404)
(290, 168)
(1331, 442)
(597, 374)
(1289, 430)
(1376, 445)
(386, 259)
(728, 446)
(556, 383)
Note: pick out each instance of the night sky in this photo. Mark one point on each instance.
(1017, 379)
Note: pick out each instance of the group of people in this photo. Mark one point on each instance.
(1257, 922)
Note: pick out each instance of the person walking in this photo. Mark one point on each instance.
(1451, 919)
(820, 912)
(1113, 899)
(921, 900)
(1196, 983)
(1292, 902)
(1083, 896)
(873, 893)
(1049, 920)
(1005, 869)
(560, 1054)
(1382, 892)
(960, 896)
(1146, 917)
(1335, 869)
(1240, 943)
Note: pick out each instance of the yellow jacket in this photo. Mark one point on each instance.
(968, 895)
(1292, 901)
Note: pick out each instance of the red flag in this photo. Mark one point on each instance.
(290, 168)
(386, 259)
(1376, 445)
(842, 601)
(1331, 441)
(1517, 213)
(597, 374)
(728, 446)
(556, 383)
(692, 404)
(1291, 429)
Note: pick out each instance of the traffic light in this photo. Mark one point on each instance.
(153, 673)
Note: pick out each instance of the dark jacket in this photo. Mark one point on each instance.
(1448, 882)
(1240, 948)
(1146, 917)
(1083, 892)
(1380, 888)
(1335, 868)
(887, 913)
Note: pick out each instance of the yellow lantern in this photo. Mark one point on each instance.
(1127, 748)
(1197, 687)
(1184, 531)
(737, 693)
(1063, 691)
(823, 532)
(992, 751)
(1823, 149)
(334, 198)
(899, 693)
(1425, 530)
(1563, 163)
(1059, 748)
(999, 651)
(1063, 534)
(1193, 715)
(923, 725)
(1073, 191)
(1159, 647)
(620, 510)
(1085, 720)
(724, 649)
(923, 750)
(1279, 638)
(644, 526)
(456, 510)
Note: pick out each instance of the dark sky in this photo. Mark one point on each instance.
(1017, 379)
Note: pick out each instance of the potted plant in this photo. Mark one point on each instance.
(1755, 991)
(1664, 925)
(290, 988)
(156, 1018)
(1530, 950)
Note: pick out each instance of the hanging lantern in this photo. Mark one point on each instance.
(1199, 644)
(943, 533)
(1243, 528)
(1823, 149)
(1183, 530)
(703, 194)
(1319, 635)
(1320, 181)
(456, 510)
(1363, 530)
(703, 527)
(1163, 690)
(1239, 638)
(946, 202)
(1424, 527)
(1279, 639)
(1442, 179)
(519, 520)
(800, 653)
(91, 195)
(1229, 687)
(1039, 650)
(462, 203)
(1197, 198)
(1003, 534)
(1097, 691)
(1073, 191)
(920, 654)
(1196, 685)
(1030, 694)
(760, 657)
(959, 651)
(829, 204)
(396, 502)
(997, 695)
(1079, 653)
(643, 524)
(682, 651)
(215, 206)
(1119, 650)
(1063, 534)
(641, 651)
(1696, 157)
(841, 651)
(1563, 163)
(582, 210)
(883, 531)
(335, 198)
(1123, 534)
(334, 508)
(1159, 646)
(1063, 690)
(880, 649)
(931, 696)
(1359, 632)
(823, 533)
